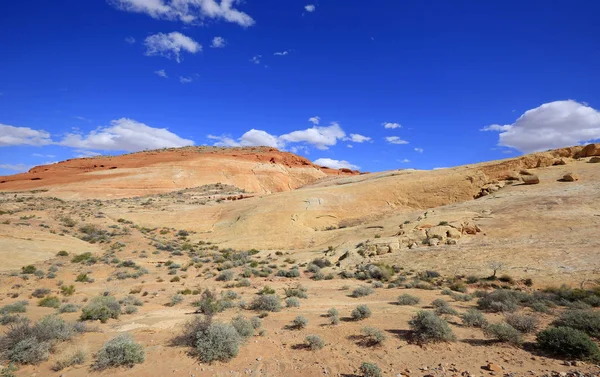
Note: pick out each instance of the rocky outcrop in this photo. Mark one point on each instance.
(530, 179)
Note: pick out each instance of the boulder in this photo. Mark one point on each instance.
(570, 177)
(469, 228)
(594, 160)
(559, 161)
(530, 179)
(440, 232)
(589, 151)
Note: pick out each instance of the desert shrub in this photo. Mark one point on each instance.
(67, 290)
(82, 258)
(292, 302)
(442, 307)
(407, 299)
(218, 341)
(40, 292)
(225, 276)
(82, 278)
(269, 303)
(49, 302)
(298, 323)
(363, 290)
(68, 308)
(540, 307)
(461, 297)
(175, 300)
(243, 283)
(6, 318)
(333, 312)
(372, 336)
(119, 351)
(522, 322)
(361, 312)
(101, 308)
(587, 321)
(266, 291)
(503, 332)
(17, 307)
(334, 320)
(131, 300)
(76, 357)
(568, 342)
(209, 303)
(256, 322)
(474, 318)
(298, 291)
(458, 287)
(243, 326)
(130, 309)
(429, 327)
(321, 262)
(314, 342)
(502, 300)
(25, 343)
(424, 285)
(62, 253)
(28, 270)
(370, 370)
(313, 268)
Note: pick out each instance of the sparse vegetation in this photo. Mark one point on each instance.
(269, 303)
(429, 327)
(314, 342)
(407, 299)
(503, 332)
(372, 336)
(362, 291)
(587, 321)
(370, 370)
(361, 312)
(299, 323)
(474, 318)
(522, 322)
(101, 308)
(568, 342)
(119, 351)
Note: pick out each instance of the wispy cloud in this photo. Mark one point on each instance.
(282, 53)
(395, 140)
(161, 73)
(218, 42)
(310, 8)
(185, 80)
(187, 11)
(419, 150)
(256, 59)
(15, 167)
(171, 45)
(390, 125)
(130, 40)
(314, 120)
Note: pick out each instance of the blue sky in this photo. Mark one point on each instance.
(455, 82)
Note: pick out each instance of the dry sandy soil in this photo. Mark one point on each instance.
(193, 207)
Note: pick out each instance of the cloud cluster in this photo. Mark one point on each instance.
(310, 8)
(171, 45)
(390, 125)
(395, 140)
(15, 167)
(552, 125)
(161, 73)
(335, 164)
(187, 11)
(10, 135)
(320, 137)
(125, 135)
(218, 42)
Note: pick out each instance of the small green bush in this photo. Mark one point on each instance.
(243, 326)
(314, 342)
(256, 322)
(370, 370)
(299, 323)
(17, 307)
(501, 300)
(333, 312)
(67, 290)
(298, 291)
(175, 300)
(292, 302)
(269, 303)
(40, 292)
(503, 332)
(62, 253)
(442, 307)
(225, 276)
(28, 270)
(218, 341)
(587, 321)
(568, 342)
(361, 312)
(68, 308)
(119, 351)
(407, 299)
(429, 327)
(372, 336)
(101, 308)
(49, 302)
(522, 322)
(362, 291)
(474, 318)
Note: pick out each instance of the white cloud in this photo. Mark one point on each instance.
(310, 8)
(218, 42)
(185, 80)
(358, 138)
(282, 53)
(335, 164)
(552, 125)
(496, 127)
(83, 153)
(256, 59)
(187, 11)
(320, 137)
(391, 125)
(130, 40)
(405, 161)
(252, 138)
(419, 150)
(125, 135)
(171, 45)
(395, 140)
(10, 135)
(349, 145)
(15, 167)
(43, 155)
(314, 120)
(161, 73)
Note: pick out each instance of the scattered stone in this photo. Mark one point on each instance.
(530, 179)
(492, 367)
(570, 177)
